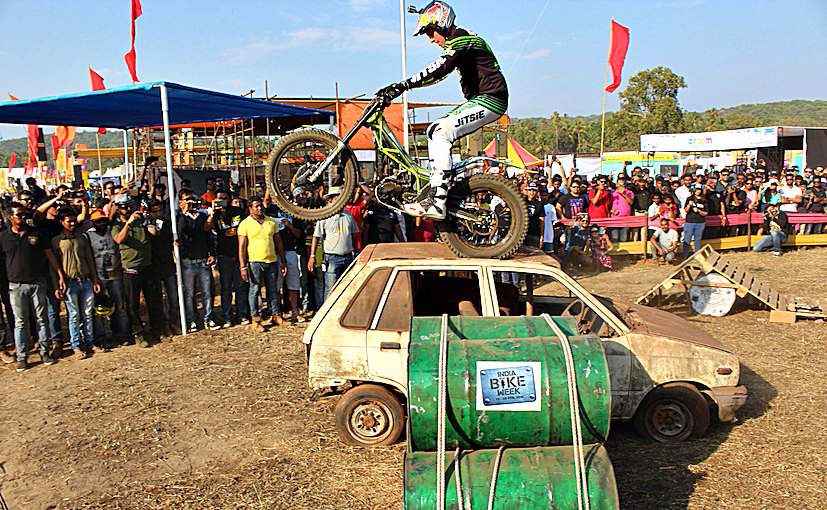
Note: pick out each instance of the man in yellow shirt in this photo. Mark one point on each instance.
(261, 257)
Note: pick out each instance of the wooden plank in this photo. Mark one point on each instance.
(738, 276)
(760, 290)
(714, 258)
(783, 302)
(782, 317)
(773, 299)
(748, 279)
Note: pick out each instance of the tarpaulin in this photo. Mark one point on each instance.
(139, 105)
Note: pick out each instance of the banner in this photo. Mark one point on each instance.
(732, 139)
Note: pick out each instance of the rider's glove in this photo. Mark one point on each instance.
(391, 92)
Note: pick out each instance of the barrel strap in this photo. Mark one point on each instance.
(583, 502)
(440, 417)
(458, 478)
(494, 473)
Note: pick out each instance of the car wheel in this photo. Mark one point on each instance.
(673, 413)
(369, 415)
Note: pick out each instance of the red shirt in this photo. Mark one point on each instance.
(357, 210)
(601, 208)
(425, 232)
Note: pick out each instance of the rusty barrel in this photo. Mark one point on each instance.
(527, 478)
(506, 383)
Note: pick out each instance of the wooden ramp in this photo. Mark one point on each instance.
(707, 260)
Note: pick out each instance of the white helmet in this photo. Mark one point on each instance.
(436, 14)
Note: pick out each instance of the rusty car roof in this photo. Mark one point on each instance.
(439, 251)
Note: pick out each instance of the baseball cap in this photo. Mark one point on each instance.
(98, 214)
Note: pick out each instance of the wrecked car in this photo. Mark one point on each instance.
(668, 376)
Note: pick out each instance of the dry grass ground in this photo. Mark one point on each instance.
(223, 420)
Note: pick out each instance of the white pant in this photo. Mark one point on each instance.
(463, 120)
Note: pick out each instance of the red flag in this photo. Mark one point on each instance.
(617, 54)
(96, 80)
(97, 84)
(33, 138)
(55, 145)
(12, 160)
(130, 57)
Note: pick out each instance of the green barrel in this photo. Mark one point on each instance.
(506, 383)
(528, 478)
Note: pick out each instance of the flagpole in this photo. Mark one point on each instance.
(603, 99)
(98, 143)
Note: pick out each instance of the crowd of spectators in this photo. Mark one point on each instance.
(107, 253)
(564, 207)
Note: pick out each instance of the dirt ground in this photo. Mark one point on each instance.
(223, 420)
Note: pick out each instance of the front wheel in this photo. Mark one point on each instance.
(487, 218)
(369, 415)
(291, 164)
(673, 413)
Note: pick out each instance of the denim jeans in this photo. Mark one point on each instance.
(336, 265)
(774, 239)
(233, 285)
(117, 326)
(25, 298)
(692, 231)
(53, 312)
(80, 304)
(267, 274)
(318, 287)
(170, 307)
(196, 275)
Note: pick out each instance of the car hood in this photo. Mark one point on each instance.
(651, 321)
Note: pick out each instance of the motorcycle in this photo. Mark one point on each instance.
(312, 174)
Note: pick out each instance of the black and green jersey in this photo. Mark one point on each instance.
(480, 75)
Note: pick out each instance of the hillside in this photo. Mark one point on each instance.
(537, 135)
(798, 112)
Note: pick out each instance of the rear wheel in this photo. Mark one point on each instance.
(673, 413)
(369, 415)
(500, 223)
(293, 160)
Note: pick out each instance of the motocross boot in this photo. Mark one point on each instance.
(429, 204)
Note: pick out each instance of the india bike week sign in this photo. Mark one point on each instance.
(508, 385)
(710, 141)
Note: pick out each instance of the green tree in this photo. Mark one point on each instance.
(652, 95)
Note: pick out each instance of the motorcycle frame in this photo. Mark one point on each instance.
(388, 145)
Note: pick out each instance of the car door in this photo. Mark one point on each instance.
(554, 291)
(388, 334)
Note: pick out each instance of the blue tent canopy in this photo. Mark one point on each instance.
(139, 105)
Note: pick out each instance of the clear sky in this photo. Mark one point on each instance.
(730, 52)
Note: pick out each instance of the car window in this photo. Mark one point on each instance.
(522, 293)
(430, 293)
(396, 314)
(545, 293)
(361, 309)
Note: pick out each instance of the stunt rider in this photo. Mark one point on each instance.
(483, 86)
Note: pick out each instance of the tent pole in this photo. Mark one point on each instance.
(403, 40)
(172, 215)
(125, 173)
